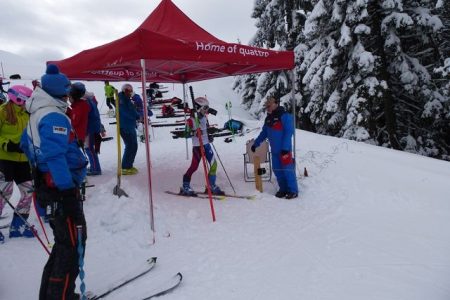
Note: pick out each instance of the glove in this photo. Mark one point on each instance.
(253, 148)
(210, 138)
(13, 147)
(285, 152)
(286, 157)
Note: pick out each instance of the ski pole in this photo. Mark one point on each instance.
(26, 223)
(39, 218)
(215, 150)
(81, 261)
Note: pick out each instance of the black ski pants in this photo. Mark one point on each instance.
(110, 102)
(61, 270)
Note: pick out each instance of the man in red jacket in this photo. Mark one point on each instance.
(79, 111)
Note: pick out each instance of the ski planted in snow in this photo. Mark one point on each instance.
(201, 195)
(167, 286)
(150, 264)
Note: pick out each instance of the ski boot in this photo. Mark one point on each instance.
(215, 190)
(16, 227)
(280, 194)
(187, 190)
(130, 171)
(290, 195)
(27, 232)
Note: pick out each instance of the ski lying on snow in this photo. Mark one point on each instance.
(149, 266)
(168, 124)
(167, 286)
(202, 196)
(248, 197)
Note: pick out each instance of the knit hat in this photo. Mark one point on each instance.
(77, 90)
(55, 83)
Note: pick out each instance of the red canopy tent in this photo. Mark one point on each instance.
(170, 47)
(175, 49)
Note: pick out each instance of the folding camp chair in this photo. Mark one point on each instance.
(264, 155)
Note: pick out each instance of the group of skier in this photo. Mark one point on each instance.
(44, 140)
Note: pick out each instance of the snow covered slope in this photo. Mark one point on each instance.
(370, 223)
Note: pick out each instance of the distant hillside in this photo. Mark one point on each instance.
(16, 64)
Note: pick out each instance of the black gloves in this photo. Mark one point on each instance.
(253, 148)
(13, 147)
(284, 152)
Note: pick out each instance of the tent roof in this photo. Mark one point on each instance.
(175, 49)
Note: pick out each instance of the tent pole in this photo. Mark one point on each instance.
(184, 105)
(293, 109)
(147, 150)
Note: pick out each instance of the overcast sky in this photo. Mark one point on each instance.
(54, 29)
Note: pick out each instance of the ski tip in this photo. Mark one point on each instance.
(152, 260)
(179, 275)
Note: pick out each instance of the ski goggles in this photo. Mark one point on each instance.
(17, 97)
(204, 108)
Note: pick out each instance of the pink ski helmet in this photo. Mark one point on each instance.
(19, 94)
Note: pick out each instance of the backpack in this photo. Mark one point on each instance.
(233, 125)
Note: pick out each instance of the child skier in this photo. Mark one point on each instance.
(14, 166)
(191, 126)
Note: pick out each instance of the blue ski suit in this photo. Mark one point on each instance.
(278, 129)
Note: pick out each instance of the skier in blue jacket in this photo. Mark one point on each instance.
(278, 129)
(59, 167)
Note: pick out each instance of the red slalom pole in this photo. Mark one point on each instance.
(208, 185)
(39, 218)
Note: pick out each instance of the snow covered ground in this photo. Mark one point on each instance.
(370, 223)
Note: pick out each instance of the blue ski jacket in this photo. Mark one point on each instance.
(46, 141)
(278, 128)
(127, 113)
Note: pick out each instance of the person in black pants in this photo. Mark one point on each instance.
(59, 168)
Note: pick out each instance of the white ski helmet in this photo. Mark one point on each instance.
(201, 101)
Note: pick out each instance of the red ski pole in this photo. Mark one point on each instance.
(39, 218)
